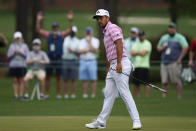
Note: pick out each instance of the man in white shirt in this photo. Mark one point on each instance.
(69, 66)
(88, 49)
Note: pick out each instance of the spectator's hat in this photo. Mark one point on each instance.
(74, 29)
(55, 24)
(89, 30)
(101, 12)
(37, 41)
(134, 30)
(172, 25)
(141, 33)
(17, 34)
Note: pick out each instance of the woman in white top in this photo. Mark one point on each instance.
(17, 54)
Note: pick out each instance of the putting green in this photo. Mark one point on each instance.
(76, 123)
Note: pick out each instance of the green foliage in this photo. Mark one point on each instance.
(187, 7)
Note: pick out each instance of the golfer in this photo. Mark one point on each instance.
(118, 64)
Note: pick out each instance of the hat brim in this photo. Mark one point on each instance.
(171, 26)
(95, 16)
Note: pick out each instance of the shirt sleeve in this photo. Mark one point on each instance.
(96, 44)
(77, 44)
(193, 45)
(26, 50)
(183, 42)
(134, 47)
(46, 59)
(29, 57)
(148, 46)
(161, 41)
(10, 51)
(64, 45)
(81, 45)
(115, 33)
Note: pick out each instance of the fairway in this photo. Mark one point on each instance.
(76, 123)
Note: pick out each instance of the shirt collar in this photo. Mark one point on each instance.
(106, 27)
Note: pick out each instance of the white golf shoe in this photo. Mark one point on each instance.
(95, 125)
(137, 125)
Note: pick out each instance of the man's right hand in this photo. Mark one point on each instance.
(39, 16)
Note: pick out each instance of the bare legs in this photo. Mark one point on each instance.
(42, 85)
(58, 85)
(93, 86)
(178, 90)
(137, 91)
(18, 87)
(73, 89)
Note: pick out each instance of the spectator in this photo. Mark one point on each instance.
(130, 41)
(141, 53)
(173, 47)
(3, 40)
(17, 54)
(55, 50)
(36, 59)
(88, 50)
(191, 55)
(70, 56)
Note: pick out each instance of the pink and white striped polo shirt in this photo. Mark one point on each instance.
(112, 33)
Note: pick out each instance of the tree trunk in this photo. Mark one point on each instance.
(37, 6)
(173, 9)
(22, 17)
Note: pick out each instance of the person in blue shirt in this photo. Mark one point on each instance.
(173, 47)
(55, 49)
(130, 41)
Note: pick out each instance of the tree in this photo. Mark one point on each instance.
(37, 6)
(22, 17)
(26, 11)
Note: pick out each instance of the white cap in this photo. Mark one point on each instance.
(17, 34)
(101, 12)
(74, 29)
(134, 29)
(37, 41)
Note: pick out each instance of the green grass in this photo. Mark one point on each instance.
(157, 114)
(153, 106)
(76, 123)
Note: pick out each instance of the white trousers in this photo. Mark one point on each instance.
(116, 82)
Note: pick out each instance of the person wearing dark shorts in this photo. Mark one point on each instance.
(142, 74)
(141, 52)
(55, 50)
(17, 54)
(70, 60)
(54, 66)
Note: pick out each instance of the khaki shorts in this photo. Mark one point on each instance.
(40, 74)
(171, 72)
